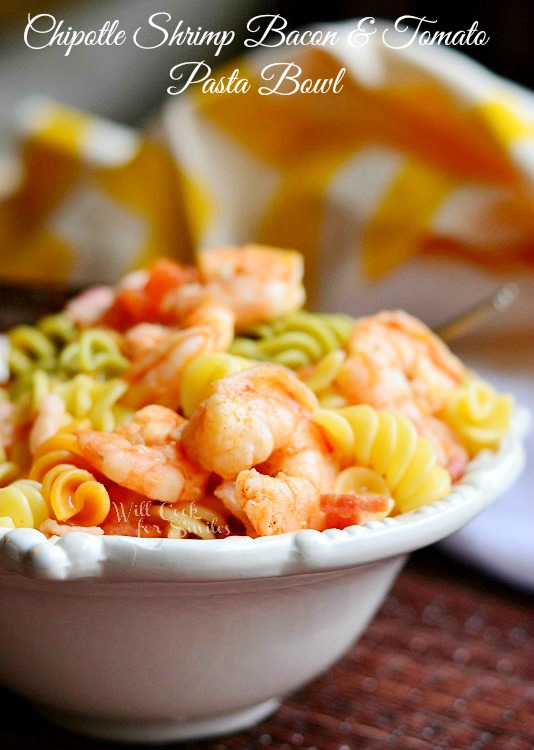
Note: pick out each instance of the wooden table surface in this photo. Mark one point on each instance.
(447, 664)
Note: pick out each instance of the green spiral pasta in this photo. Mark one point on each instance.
(54, 345)
(389, 444)
(296, 340)
(38, 346)
(94, 352)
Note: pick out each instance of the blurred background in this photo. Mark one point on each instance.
(123, 83)
(104, 82)
(509, 25)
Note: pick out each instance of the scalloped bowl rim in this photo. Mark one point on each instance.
(27, 552)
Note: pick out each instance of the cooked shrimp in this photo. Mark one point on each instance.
(225, 492)
(143, 338)
(155, 376)
(192, 311)
(258, 283)
(53, 528)
(88, 307)
(138, 297)
(283, 494)
(51, 417)
(393, 357)
(246, 417)
(395, 362)
(145, 455)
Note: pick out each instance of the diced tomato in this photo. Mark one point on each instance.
(165, 275)
(350, 509)
(130, 515)
(143, 305)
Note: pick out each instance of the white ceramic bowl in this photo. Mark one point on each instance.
(155, 640)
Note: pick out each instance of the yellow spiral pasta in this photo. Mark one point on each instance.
(389, 444)
(22, 505)
(9, 470)
(296, 340)
(73, 494)
(204, 370)
(62, 448)
(85, 397)
(479, 415)
(205, 520)
(361, 481)
(69, 488)
(321, 376)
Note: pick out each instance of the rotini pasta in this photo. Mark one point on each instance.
(9, 470)
(39, 346)
(23, 504)
(70, 490)
(296, 340)
(85, 397)
(95, 352)
(204, 370)
(53, 352)
(320, 378)
(206, 520)
(74, 495)
(62, 448)
(388, 443)
(478, 414)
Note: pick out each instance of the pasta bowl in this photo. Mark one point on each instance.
(155, 640)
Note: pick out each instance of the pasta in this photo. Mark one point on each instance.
(303, 420)
(388, 443)
(295, 340)
(62, 448)
(53, 351)
(74, 495)
(478, 414)
(203, 520)
(39, 346)
(70, 490)
(9, 470)
(22, 505)
(94, 352)
(85, 397)
(204, 370)
(321, 379)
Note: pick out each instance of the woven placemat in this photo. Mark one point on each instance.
(447, 664)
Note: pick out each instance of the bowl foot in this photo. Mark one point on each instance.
(164, 731)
